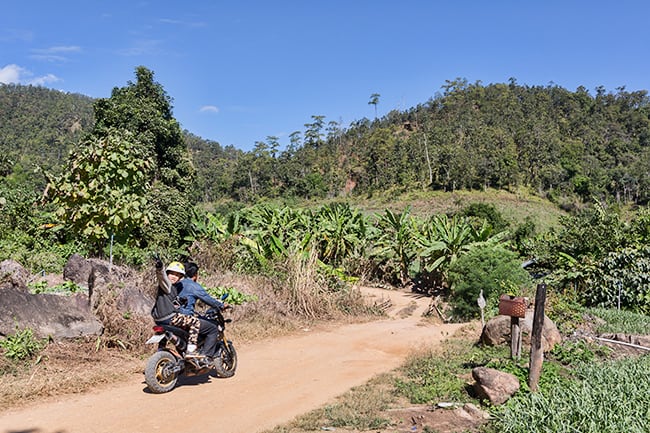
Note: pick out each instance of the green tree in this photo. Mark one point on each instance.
(374, 100)
(109, 186)
(102, 190)
(145, 109)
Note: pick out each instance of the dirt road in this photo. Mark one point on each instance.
(275, 381)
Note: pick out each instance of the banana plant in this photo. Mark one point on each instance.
(442, 240)
(394, 247)
(273, 232)
(340, 232)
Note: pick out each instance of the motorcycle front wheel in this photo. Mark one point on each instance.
(159, 372)
(225, 361)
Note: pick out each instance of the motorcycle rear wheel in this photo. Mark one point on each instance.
(159, 374)
(225, 362)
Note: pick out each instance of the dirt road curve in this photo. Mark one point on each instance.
(275, 381)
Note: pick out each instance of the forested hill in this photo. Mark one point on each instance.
(38, 125)
(563, 144)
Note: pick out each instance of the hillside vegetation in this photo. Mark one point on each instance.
(483, 189)
(556, 178)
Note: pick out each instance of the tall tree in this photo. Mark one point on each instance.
(131, 175)
(374, 100)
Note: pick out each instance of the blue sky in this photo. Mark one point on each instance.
(240, 71)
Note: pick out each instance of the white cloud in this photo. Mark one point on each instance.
(209, 109)
(142, 47)
(64, 49)
(54, 54)
(182, 23)
(41, 81)
(10, 74)
(14, 74)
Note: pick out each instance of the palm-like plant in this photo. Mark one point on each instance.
(340, 232)
(273, 231)
(394, 246)
(442, 240)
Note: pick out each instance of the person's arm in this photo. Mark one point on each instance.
(204, 296)
(163, 281)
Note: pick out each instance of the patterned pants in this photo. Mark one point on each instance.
(190, 323)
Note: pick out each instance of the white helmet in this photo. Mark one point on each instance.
(176, 267)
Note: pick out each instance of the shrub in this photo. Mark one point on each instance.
(21, 345)
(490, 268)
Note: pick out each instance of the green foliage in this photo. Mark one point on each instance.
(341, 232)
(65, 288)
(21, 345)
(622, 276)
(394, 247)
(233, 296)
(564, 310)
(486, 212)
(601, 397)
(439, 376)
(144, 109)
(489, 268)
(37, 128)
(569, 352)
(170, 217)
(621, 321)
(102, 190)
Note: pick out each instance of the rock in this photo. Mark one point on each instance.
(12, 274)
(47, 314)
(78, 270)
(494, 385)
(111, 290)
(497, 331)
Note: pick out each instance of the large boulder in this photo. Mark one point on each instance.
(47, 314)
(108, 284)
(111, 290)
(78, 270)
(497, 331)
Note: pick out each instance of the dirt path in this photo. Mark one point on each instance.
(275, 381)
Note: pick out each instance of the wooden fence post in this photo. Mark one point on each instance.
(515, 338)
(536, 352)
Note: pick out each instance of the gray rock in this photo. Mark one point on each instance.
(497, 331)
(494, 385)
(47, 314)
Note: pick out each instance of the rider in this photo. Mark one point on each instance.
(189, 292)
(165, 310)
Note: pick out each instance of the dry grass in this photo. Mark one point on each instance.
(66, 367)
(298, 298)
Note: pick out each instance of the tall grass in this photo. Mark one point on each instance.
(609, 397)
(626, 322)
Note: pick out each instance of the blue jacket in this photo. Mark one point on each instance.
(190, 290)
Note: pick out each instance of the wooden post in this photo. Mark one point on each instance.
(536, 352)
(515, 338)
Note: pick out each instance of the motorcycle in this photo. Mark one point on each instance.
(164, 367)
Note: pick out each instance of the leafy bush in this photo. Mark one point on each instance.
(491, 268)
(234, 296)
(487, 212)
(21, 345)
(620, 276)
